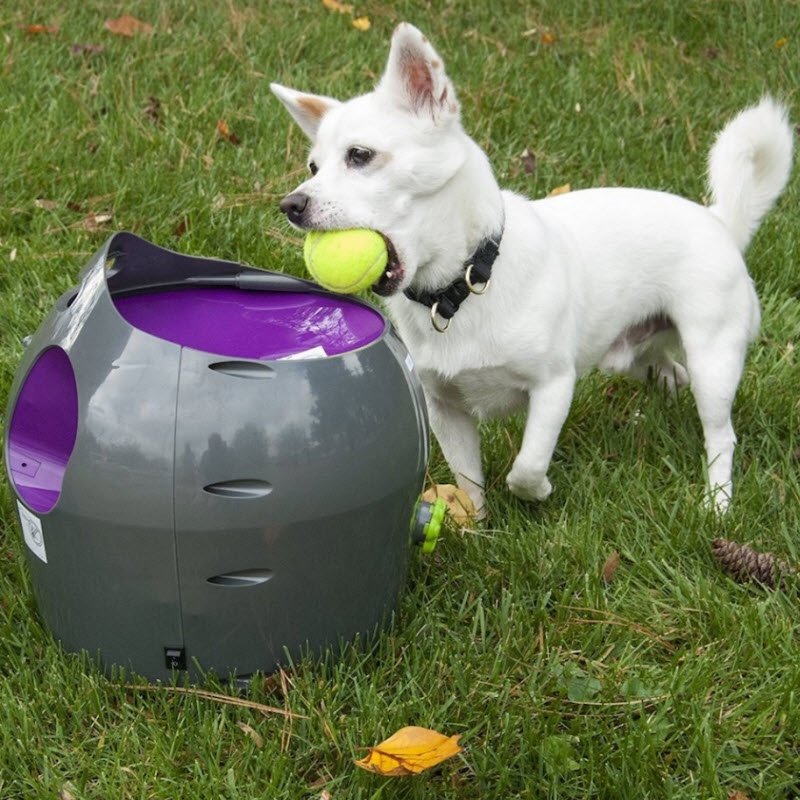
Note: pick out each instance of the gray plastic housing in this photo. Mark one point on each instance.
(215, 513)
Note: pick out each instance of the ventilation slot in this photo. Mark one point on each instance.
(245, 577)
(243, 369)
(244, 489)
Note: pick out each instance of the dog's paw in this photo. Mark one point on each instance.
(528, 487)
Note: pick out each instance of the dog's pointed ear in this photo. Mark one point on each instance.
(307, 109)
(415, 77)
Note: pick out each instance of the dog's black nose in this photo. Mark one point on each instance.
(294, 205)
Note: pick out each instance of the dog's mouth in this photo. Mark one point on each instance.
(392, 277)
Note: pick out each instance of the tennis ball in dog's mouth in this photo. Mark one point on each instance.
(345, 261)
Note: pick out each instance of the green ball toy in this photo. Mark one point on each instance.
(345, 261)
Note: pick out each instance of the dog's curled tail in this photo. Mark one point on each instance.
(748, 167)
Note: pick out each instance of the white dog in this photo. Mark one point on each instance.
(627, 280)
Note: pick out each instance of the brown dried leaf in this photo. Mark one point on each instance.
(548, 38)
(153, 110)
(93, 222)
(181, 228)
(86, 49)
(459, 506)
(782, 42)
(738, 796)
(36, 30)
(224, 132)
(247, 730)
(47, 205)
(528, 161)
(126, 25)
(610, 567)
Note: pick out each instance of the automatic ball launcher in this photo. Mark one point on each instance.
(215, 466)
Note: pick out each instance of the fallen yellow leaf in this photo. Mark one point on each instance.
(335, 5)
(459, 506)
(409, 751)
(782, 42)
(362, 23)
(560, 190)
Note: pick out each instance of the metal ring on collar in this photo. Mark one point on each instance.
(439, 328)
(471, 285)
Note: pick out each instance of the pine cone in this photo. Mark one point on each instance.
(745, 564)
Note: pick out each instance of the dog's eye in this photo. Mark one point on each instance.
(313, 168)
(359, 156)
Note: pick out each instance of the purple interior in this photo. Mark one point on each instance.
(253, 324)
(43, 430)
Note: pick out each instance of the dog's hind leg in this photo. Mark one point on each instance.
(715, 368)
(548, 408)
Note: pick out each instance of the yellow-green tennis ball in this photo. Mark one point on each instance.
(345, 261)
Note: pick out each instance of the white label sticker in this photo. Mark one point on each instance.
(32, 532)
(314, 352)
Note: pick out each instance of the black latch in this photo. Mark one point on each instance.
(175, 657)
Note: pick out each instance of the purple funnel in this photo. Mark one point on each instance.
(253, 324)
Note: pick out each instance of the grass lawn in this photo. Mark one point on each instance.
(668, 681)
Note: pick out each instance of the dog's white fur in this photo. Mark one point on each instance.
(580, 279)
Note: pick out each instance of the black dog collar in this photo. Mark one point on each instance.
(477, 272)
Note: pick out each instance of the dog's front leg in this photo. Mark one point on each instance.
(457, 434)
(548, 408)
